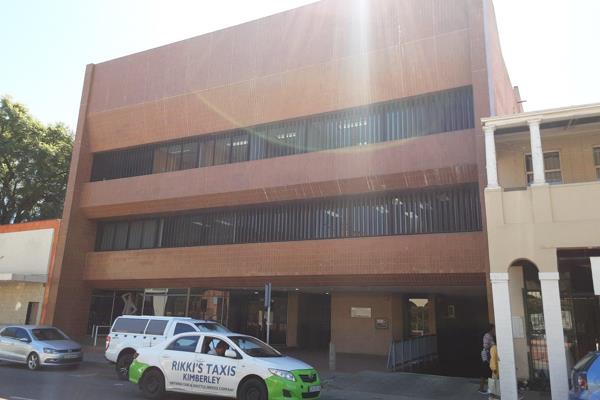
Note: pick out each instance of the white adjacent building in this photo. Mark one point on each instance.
(26, 260)
(543, 222)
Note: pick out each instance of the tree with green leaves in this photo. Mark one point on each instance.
(34, 165)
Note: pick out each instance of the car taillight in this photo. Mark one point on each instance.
(107, 342)
(582, 382)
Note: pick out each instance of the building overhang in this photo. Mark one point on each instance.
(434, 160)
(564, 117)
(31, 278)
(553, 114)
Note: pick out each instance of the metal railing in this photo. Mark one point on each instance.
(412, 353)
(96, 332)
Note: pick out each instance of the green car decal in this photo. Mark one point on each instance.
(136, 370)
(307, 382)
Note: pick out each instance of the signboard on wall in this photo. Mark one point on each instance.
(381, 323)
(360, 312)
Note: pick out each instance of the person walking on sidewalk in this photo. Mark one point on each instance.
(494, 394)
(488, 340)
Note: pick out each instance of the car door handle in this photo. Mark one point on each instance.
(165, 356)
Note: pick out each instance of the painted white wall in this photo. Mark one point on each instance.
(26, 252)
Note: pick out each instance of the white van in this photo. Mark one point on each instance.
(131, 332)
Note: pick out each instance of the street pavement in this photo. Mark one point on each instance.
(91, 381)
(95, 380)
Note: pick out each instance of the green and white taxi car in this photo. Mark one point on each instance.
(222, 364)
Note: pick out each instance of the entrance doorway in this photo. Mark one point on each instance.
(247, 315)
(32, 313)
(581, 314)
(314, 321)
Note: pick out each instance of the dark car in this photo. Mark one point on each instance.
(585, 378)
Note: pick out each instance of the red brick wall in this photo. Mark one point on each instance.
(442, 159)
(455, 253)
(326, 56)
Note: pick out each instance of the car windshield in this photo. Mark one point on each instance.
(254, 347)
(211, 327)
(585, 362)
(48, 334)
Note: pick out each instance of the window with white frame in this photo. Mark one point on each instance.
(597, 161)
(551, 168)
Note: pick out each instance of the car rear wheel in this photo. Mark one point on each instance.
(122, 367)
(253, 389)
(152, 384)
(33, 362)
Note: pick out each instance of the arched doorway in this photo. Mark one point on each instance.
(529, 333)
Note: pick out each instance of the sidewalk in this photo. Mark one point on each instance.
(94, 354)
(405, 386)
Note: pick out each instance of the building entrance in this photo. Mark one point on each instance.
(247, 315)
(314, 321)
(581, 314)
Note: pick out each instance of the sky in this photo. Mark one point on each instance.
(550, 46)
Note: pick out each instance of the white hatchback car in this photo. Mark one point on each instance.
(222, 364)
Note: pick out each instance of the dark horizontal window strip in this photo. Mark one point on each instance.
(446, 111)
(453, 209)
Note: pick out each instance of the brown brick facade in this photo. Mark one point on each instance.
(460, 253)
(325, 56)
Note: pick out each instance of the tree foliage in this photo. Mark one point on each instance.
(34, 165)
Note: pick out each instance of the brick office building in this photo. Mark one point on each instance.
(332, 150)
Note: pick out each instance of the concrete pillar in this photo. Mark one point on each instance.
(555, 339)
(595, 265)
(490, 157)
(292, 320)
(504, 336)
(537, 153)
(516, 285)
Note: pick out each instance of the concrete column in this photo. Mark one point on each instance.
(595, 265)
(292, 320)
(504, 336)
(555, 339)
(490, 156)
(537, 153)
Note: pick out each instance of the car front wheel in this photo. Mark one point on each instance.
(152, 384)
(33, 362)
(253, 389)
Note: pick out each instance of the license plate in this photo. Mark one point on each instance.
(71, 355)
(314, 389)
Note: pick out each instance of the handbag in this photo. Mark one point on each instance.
(494, 386)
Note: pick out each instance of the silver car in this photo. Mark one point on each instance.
(38, 346)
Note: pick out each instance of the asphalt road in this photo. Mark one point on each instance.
(91, 381)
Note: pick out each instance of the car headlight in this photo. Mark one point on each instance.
(283, 374)
(49, 350)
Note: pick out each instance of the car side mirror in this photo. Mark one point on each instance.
(230, 354)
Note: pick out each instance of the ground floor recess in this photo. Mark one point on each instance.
(355, 321)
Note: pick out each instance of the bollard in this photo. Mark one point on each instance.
(331, 356)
